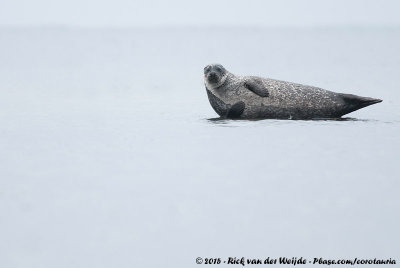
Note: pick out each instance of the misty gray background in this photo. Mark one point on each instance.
(108, 156)
(125, 13)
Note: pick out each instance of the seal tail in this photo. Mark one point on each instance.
(354, 102)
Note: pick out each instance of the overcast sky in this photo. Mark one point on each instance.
(115, 13)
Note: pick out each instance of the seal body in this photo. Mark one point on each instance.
(250, 97)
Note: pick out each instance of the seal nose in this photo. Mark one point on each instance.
(213, 77)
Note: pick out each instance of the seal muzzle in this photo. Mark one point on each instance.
(213, 77)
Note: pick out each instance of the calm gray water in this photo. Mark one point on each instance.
(108, 157)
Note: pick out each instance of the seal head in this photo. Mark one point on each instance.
(215, 75)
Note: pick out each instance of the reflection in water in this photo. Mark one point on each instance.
(220, 120)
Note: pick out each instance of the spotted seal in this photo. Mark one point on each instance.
(251, 97)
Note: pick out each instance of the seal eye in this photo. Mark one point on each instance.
(207, 69)
(218, 69)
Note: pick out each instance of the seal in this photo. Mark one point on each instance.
(251, 97)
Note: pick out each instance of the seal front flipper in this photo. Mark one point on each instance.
(223, 109)
(218, 105)
(236, 110)
(256, 86)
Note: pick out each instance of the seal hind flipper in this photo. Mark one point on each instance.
(257, 87)
(236, 110)
(354, 102)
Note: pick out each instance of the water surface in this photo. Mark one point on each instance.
(111, 155)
